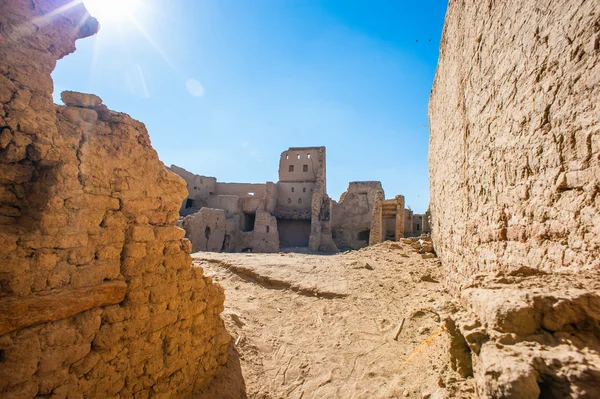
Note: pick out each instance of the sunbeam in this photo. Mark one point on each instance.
(143, 31)
(110, 11)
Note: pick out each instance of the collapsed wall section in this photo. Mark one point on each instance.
(97, 294)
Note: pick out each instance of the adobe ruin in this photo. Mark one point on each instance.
(514, 166)
(98, 297)
(293, 213)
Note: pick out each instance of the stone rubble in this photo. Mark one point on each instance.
(422, 245)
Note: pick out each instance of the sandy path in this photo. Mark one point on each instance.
(323, 326)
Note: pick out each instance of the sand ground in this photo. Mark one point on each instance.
(316, 326)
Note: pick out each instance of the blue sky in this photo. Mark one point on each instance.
(225, 86)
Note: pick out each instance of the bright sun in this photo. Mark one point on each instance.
(107, 11)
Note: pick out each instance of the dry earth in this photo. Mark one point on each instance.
(307, 326)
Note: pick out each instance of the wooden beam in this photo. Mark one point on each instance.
(59, 304)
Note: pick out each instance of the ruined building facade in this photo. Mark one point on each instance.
(236, 217)
(353, 214)
(295, 212)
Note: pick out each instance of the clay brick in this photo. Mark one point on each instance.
(79, 217)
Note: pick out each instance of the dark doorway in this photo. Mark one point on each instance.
(248, 221)
(293, 233)
(364, 235)
(189, 203)
(226, 242)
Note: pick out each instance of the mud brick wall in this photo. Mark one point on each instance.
(514, 158)
(97, 294)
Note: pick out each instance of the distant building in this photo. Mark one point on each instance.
(294, 213)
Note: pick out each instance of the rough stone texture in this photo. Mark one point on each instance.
(514, 171)
(82, 100)
(529, 335)
(84, 200)
(514, 153)
(58, 304)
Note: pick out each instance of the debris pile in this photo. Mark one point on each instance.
(422, 245)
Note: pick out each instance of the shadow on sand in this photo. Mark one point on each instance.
(229, 382)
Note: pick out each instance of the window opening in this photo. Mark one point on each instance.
(291, 168)
(305, 168)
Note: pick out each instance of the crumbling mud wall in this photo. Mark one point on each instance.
(97, 294)
(352, 216)
(206, 229)
(514, 155)
(264, 238)
(515, 175)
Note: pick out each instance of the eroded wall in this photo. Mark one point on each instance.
(200, 188)
(514, 157)
(206, 229)
(264, 236)
(513, 163)
(97, 294)
(352, 216)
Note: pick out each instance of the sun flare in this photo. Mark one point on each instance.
(108, 11)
